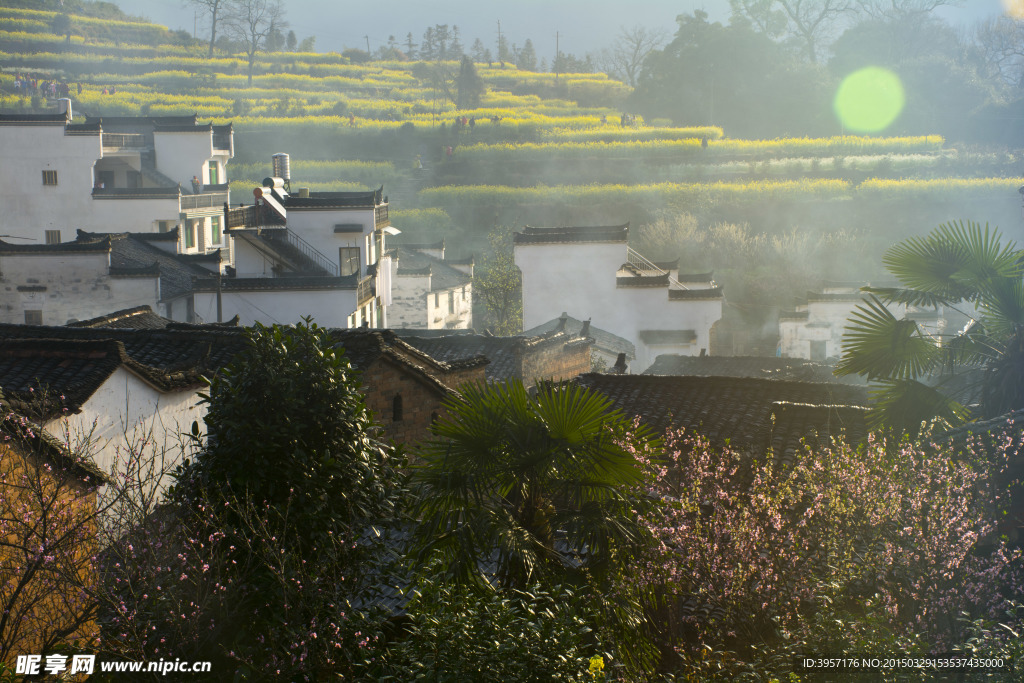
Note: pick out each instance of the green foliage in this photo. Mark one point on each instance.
(961, 266)
(498, 284)
(455, 633)
(527, 482)
(470, 86)
(288, 425)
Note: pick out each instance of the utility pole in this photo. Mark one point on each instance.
(195, 23)
(367, 44)
(500, 58)
(554, 65)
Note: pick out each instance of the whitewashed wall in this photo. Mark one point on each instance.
(78, 287)
(329, 308)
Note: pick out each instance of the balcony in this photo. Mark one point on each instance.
(203, 201)
(114, 142)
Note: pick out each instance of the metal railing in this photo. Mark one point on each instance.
(635, 259)
(203, 201)
(115, 140)
(307, 250)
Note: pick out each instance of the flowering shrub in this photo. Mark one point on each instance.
(876, 548)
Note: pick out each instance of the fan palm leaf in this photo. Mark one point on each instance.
(878, 345)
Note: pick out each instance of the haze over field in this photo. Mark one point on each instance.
(583, 25)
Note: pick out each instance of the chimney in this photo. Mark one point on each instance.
(561, 322)
(620, 365)
(585, 330)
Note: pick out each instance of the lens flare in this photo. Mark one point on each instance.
(869, 100)
(1014, 8)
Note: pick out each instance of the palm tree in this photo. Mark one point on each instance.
(525, 487)
(964, 267)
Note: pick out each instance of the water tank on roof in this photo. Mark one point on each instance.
(282, 166)
(64, 107)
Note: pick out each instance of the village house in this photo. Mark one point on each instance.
(329, 246)
(428, 290)
(556, 356)
(593, 272)
(606, 349)
(814, 329)
(52, 284)
(114, 174)
(405, 388)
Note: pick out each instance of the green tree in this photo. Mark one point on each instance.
(915, 372)
(527, 482)
(291, 42)
(715, 74)
(526, 60)
(288, 425)
(61, 25)
(470, 86)
(499, 285)
(284, 497)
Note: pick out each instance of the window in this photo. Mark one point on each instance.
(463, 292)
(33, 317)
(165, 226)
(348, 258)
(190, 236)
(817, 350)
(214, 173)
(49, 177)
(451, 301)
(396, 408)
(53, 236)
(437, 300)
(215, 228)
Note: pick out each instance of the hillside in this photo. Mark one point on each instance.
(541, 149)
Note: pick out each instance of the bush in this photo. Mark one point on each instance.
(457, 634)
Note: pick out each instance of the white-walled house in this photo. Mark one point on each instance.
(814, 329)
(428, 291)
(592, 272)
(52, 284)
(114, 174)
(315, 253)
(103, 390)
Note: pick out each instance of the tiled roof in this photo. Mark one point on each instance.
(274, 284)
(598, 233)
(364, 346)
(112, 122)
(131, 252)
(137, 318)
(668, 336)
(39, 377)
(642, 281)
(33, 119)
(136, 192)
(502, 352)
(174, 356)
(695, 294)
(96, 244)
(443, 276)
(196, 128)
(737, 409)
(603, 340)
(341, 200)
(748, 366)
